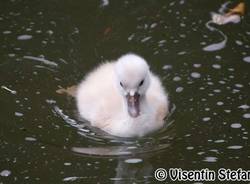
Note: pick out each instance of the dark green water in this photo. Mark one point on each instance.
(41, 138)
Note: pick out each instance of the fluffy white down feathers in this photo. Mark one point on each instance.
(123, 98)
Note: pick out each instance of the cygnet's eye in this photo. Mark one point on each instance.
(141, 83)
(121, 84)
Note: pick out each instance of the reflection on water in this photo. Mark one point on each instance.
(49, 45)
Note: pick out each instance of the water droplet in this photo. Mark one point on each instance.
(167, 67)
(7, 32)
(179, 89)
(72, 178)
(153, 25)
(247, 115)
(238, 42)
(50, 32)
(197, 65)
(247, 59)
(162, 41)
(210, 159)
(235, 147)
(133, 160)
(5, 173)
(216, 66)
(244, 107)
(220, 103)
(195, 75)
(219, 141)
(218, 57)
(176, 79)
(182, 53)
(205, 119)
(30, 139)
(18, 114)
(190, 148)
(239, 85)
(236, 125)
(24, 37)
(67, 164)
(146, 39)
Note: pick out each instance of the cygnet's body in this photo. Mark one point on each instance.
(123, 98)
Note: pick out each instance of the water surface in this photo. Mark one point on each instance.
(46, 45)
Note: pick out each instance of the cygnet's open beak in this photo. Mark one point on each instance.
(133, 105)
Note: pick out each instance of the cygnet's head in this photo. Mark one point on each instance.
(132, 74)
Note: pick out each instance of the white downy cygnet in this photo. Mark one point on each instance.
(123, 98)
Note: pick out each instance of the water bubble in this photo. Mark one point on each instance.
(210, 159)
(182, 36)
(220, 103)
(217, 90)
(181, 53)
(197, 65)
(182, 24)
(7, 32)
(153, 25)
(195, 75)
(200, 153)
(50, 32)
(247, 115)
(216, 66)
(247, 59)
(236, 125)
(239, 85)
(219, 141)
(244, 107)
(72, 178)
(38, 31)
(238, 42)
(176, 78)
(179, 89)
(30, 139)
(146, 39)
(24, 37)
(207, 109)
(167, 67)
(67, 163)
(133, 160)
(11, 55)
(5, 173)
(205, 119)
(235, 147)
(18, 114)
(190, 148)
(218, 57)
(162, 41)
(222, 82)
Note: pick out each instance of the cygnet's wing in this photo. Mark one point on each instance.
(71, 91)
